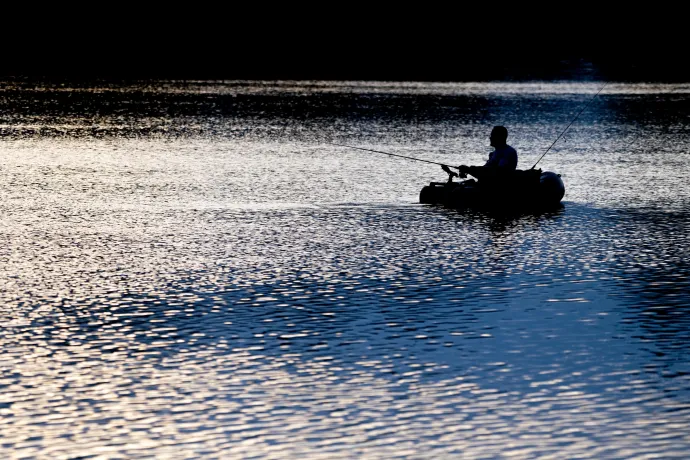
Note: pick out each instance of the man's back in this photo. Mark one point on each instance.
(503, 157)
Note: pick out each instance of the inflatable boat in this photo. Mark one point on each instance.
(518, 190)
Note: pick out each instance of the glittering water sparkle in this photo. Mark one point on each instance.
(192, 269)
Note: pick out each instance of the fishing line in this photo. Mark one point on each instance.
(566, 128)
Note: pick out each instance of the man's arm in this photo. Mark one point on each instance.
(480, 172)
(492, 161)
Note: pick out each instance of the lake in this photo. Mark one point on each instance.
(193, 269)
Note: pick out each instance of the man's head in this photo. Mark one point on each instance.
(499, 135)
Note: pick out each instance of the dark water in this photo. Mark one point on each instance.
(194, 270)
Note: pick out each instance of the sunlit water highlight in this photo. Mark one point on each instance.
(194, 270)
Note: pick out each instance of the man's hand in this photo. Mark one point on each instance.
(450, 173)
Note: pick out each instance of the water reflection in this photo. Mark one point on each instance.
(654, 280)
(249, 293)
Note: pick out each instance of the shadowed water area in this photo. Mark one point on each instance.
(194, 270)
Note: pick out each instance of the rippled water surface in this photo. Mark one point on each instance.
(195, 270)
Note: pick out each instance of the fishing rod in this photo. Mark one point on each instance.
(391, 154)
(566, 128)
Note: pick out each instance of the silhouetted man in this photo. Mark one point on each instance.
(503, 158)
